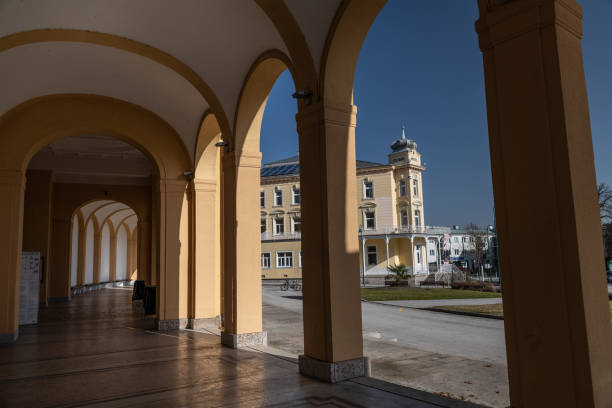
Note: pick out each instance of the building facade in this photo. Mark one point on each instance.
(391, 214)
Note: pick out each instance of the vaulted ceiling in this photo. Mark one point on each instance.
(174, 58)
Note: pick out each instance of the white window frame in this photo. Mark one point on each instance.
(366, 189)
(368, 253)
(415, 187)
(432, 252)
(293, 223)
(300, 258)
(456, 240)
(417, 218)
(365, 220)
(404, 220)
(269, 256)
(262, 199)
(402, 188)
(294, 195)
(456, 252)
(276, 225)
(284, 261)
(278, 197)
(264, 224)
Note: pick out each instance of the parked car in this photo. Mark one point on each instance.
(609, 277)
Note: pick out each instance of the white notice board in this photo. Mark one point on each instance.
(29, 288)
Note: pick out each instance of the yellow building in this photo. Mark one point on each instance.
(390, 209)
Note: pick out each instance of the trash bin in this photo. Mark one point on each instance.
(149, 300)
(139, 290)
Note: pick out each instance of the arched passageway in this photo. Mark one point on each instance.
(150, 80)
(108, 231)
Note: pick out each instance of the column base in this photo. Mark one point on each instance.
(9, 337)
(244, 339)
(171, 324)
(204, 323)
(334, 372)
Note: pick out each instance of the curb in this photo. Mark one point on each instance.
(431, 309)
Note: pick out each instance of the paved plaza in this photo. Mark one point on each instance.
(437, 352)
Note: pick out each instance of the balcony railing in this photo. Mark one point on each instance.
(408, 229)
(268, 236)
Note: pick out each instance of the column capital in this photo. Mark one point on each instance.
(203, 185)
(326, 112)
(502, 21)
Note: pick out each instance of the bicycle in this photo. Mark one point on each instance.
(291, 283)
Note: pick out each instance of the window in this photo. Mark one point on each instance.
(404, 216)
(368, 189)
(278, 198)
(284, 259)
(417, 218)
(265, 260)
(296, 195)
(297, 224)
(262, 199)
(455, 239)
(263, 225)
(372, 256)
(279, 226)
(402, 188)
(419, 254)
(432, 252)
(415, 187)
(370, 220)
(456, 252)
(464, 239)
(300, 259)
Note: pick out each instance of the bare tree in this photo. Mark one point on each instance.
(478, 242)
(604, 192)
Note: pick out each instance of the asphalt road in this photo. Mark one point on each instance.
(462, 336)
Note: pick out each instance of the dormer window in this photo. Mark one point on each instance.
(368, 189)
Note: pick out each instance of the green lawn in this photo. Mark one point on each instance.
(491, 310)
(380, 294)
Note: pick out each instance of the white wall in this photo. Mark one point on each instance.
(74, 261)
(121, 254)
(89, 252)
(105, 254)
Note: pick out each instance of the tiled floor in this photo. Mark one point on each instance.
(97, 350)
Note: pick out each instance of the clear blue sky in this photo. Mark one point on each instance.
(420, 67)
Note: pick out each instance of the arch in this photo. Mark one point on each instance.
(35, 123)
(305, 74)
(125, 44)
(206, 157)
(253, 98)
(346, 36)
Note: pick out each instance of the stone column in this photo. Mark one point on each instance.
(242, 315)
(144, 251)
(112, 255)
(37, 222)
(12, 184)
(205, 291)
(333, 343)
(412, 254)
(61, 247)
(128, 255)
(557, 321)
(387, 247)
(172, 301)
(97, 237)
(82, 253)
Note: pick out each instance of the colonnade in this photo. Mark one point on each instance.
(558, 345)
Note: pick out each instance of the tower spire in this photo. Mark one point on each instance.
(404, 132)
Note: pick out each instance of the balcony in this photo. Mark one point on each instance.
(268, 236)
(408, 229)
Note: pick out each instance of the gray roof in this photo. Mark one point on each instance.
(291, 167)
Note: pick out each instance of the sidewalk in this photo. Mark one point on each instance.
(424, 304)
